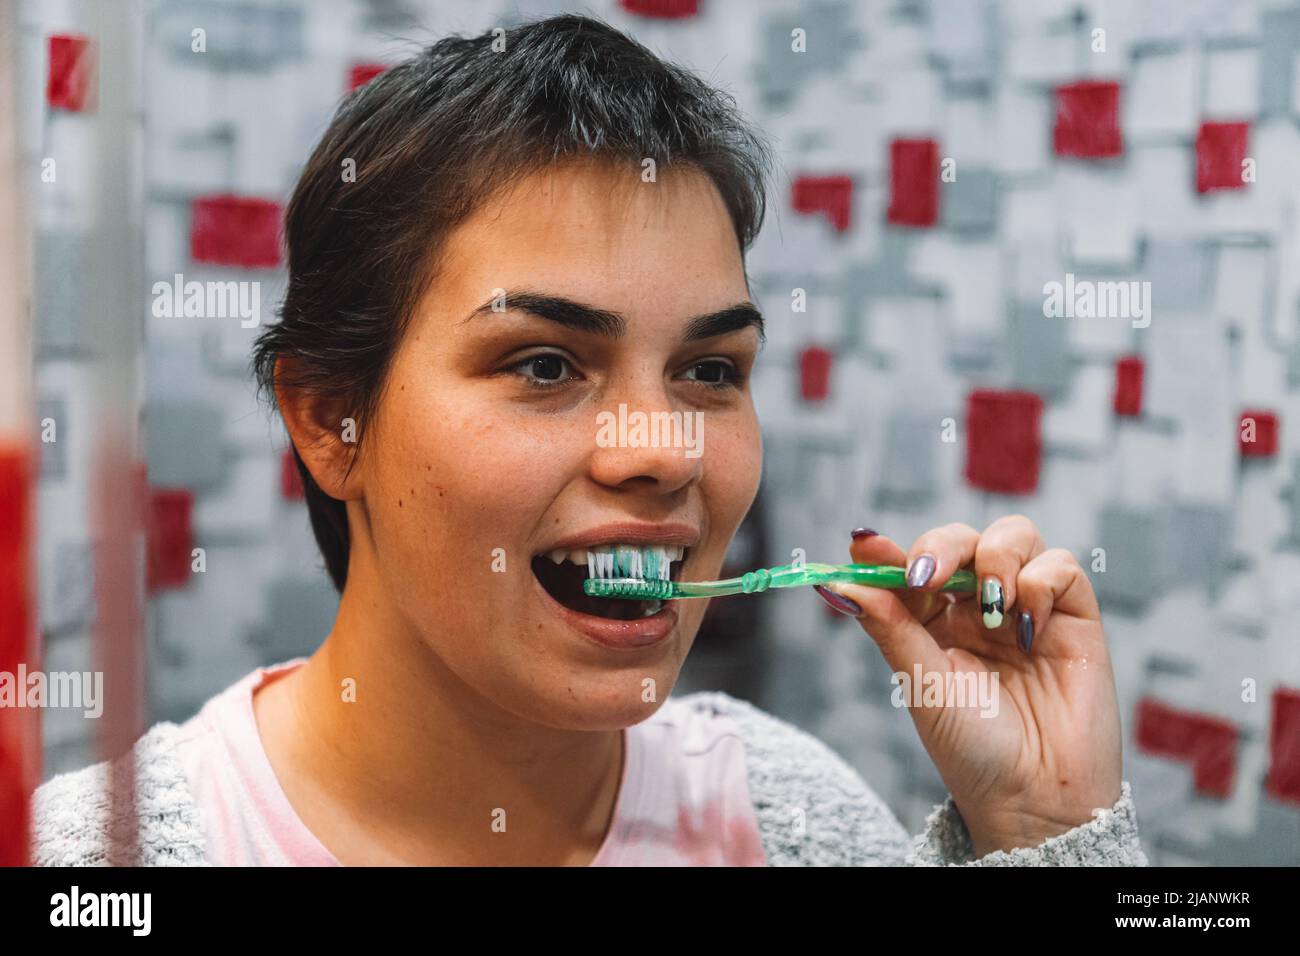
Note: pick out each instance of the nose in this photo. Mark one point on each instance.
(648, 444)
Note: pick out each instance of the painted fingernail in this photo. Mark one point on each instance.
(859, 533)
(922, 569)
(838, 601)
(992, 603)
(1026, 631)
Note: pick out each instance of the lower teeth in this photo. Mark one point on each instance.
(652, 607)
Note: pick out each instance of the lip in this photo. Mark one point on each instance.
(621, 635)
(629, 532)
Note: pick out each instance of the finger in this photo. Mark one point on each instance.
(935, 555)
(868, 547)
(1005, 547)
(1052, 583)
(872, 548)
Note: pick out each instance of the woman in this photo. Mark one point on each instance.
(493, 245)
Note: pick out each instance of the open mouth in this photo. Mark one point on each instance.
(561, 573)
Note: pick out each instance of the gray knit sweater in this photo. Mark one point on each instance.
(812, 810)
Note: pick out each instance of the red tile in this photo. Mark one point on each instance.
(1129, 372)
(1208, 743)
(1087, 120)
(15, 553)
(1283, 781)
(832, 195)
(71, 83)
(235, 231)
(19, 727)
(1004, 445)
(291, 488)
(171, 537)
(661, 9)
(1266, 433)
(1220, 149)
(363, 73)
(913, 182)
(814, 374)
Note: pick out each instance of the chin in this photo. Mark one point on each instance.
(593, 697)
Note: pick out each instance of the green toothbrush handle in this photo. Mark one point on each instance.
(793, 576)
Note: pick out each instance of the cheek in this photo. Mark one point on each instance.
(465, 479)
(734, 455)
(450, 485)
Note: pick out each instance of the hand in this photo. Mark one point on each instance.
(1052, 751)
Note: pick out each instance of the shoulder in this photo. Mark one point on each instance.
(812, 808)
(74, 815)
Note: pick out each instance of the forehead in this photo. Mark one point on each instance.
(593, 230)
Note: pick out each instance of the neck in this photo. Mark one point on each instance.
(388, 756)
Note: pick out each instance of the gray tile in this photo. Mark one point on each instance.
(910, 479)
(1279, 41)
(184, 444)
(1135, 555)
(1040, 350)
(60, 313)
(239, 35)
(299, 616)
(970, 202)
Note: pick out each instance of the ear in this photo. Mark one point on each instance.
(323, 434)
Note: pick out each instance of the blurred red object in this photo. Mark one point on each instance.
(661, 9)
(1220, 153)
(235, 231)
(814, 374)
(1208, 743)
(913, 182)
(171, 538)
(1004, 445)
(1129, 372)
(20, 739)
(1087, 120)
(832, 195)
(1263, 442)
(1283, 781)
(71, 82)
(363, 73)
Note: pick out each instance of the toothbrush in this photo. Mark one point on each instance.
(755, 582)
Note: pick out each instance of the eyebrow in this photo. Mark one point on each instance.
(586, 318)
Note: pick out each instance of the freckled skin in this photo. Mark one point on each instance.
(472, 694)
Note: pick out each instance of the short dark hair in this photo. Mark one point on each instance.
(430, 139)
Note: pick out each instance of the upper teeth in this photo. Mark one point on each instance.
(623, 560)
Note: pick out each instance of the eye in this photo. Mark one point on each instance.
(544, 370)
(714, 373)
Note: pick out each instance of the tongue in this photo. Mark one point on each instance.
(563, 582)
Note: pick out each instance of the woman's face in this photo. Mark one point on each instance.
(498, 447)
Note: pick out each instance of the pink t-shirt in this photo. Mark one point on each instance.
(683, 799)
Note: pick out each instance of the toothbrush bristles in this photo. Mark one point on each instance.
(629, 588)
(644, 573)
